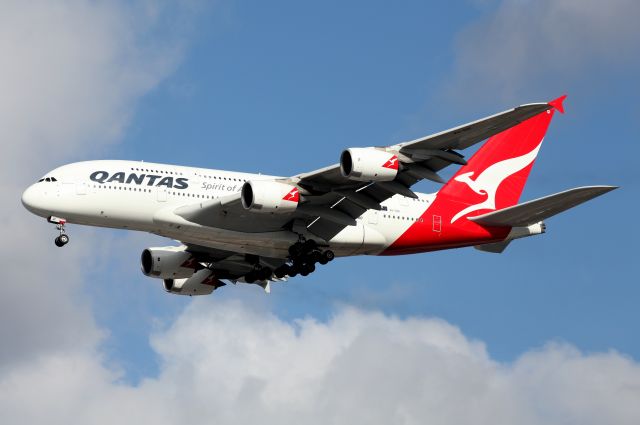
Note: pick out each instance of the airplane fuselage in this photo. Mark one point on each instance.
(143, 196)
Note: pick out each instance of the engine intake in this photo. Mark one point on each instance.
(167, 262)
(368, 164)
(268, 196)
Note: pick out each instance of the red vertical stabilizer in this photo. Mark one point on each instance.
(491, 180)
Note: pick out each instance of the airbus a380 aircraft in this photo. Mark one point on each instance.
(257, 229)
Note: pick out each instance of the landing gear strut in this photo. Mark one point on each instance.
(63, 239)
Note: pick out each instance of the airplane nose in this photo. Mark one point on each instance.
(31, 199)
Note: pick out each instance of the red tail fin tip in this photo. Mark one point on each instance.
(558, 103)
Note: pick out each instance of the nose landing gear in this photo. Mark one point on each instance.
(63, 239)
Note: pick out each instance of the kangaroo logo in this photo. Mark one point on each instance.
(489, 180)
(293, 196)
(391, 163)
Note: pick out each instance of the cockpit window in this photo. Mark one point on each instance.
(41, 180)
(53, 179)
(48, 179)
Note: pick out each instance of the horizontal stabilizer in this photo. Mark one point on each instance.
(539, 209)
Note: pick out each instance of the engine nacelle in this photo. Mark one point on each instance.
(171, 262)
(268, 196)
(368, 164)
(203, 282)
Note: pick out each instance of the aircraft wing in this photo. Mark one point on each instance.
(332, 202)
(420, 159)
(435, 151)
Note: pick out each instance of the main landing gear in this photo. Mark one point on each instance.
(304, 256)
(63, 239)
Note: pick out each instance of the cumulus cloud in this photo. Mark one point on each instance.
(223, 362)
(71, 74)
(523, 47)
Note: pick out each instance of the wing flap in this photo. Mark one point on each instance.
(540, 209)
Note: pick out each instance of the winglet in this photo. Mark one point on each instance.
(557, 103)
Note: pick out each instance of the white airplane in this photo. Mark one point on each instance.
(255, 228)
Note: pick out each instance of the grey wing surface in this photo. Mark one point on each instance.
(420, 159)
(228, 264)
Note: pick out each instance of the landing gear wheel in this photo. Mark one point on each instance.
(314, 257)
(293, 271)
(61, 240)
(307, 269)
(328, 255)
(309, 245)
(295, 250)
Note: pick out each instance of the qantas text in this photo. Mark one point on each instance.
(139, 179)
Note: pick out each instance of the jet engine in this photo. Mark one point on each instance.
(368, 164)
(203, 282)
(268, 196)
(169, 262)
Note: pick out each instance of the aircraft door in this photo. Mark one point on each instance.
(373, 216)
(437, 223)
(81, 188)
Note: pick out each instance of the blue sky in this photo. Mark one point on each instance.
(282, 88)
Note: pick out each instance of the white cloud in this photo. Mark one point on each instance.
(223, 362)
(525, 47)
(71, 73)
